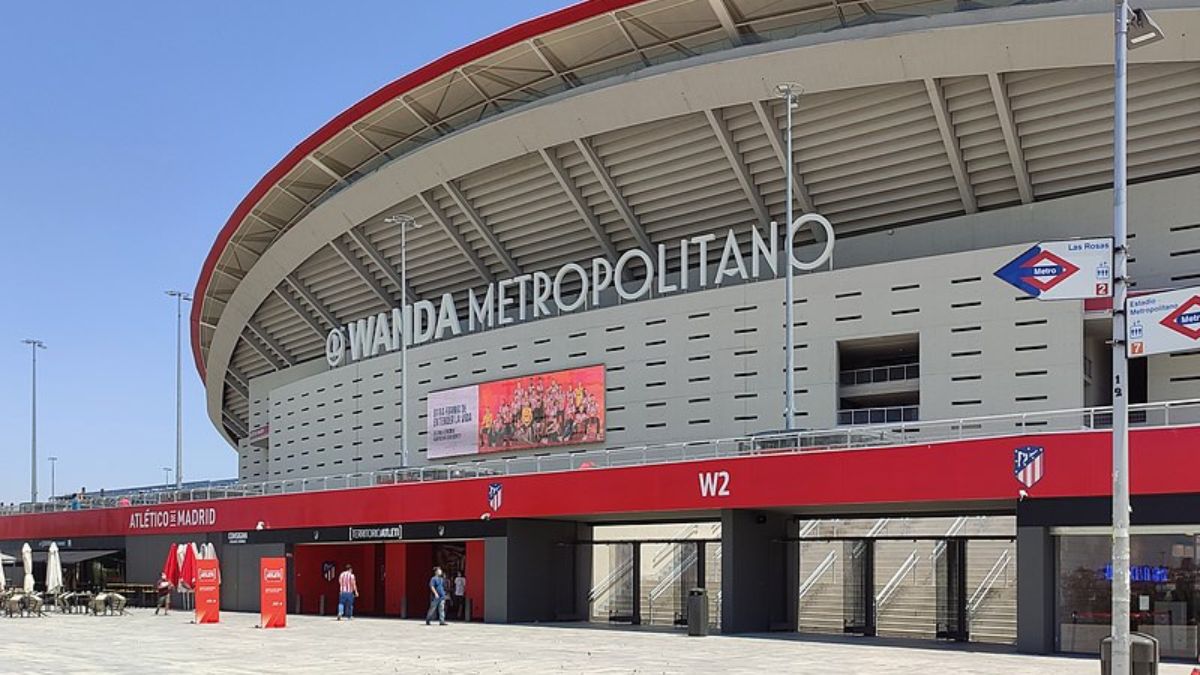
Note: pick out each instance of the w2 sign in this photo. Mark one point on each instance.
(714, 483)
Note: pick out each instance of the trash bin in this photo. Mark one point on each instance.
(697, 612)
(1143, 654)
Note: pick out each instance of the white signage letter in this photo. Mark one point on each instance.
(583, 287)
(702, 242)
(663, 286)
(543, 286)
(479, 314)
(599, 284)
(447, 317)
(622, 262)
(760, 249)
(731, 251)
(503, 301)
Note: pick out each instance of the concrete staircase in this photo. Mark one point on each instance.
(992, 574)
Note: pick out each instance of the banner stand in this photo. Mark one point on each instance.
(272, 579)
(208, 591)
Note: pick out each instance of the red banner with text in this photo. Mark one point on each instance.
(208, 591)
(272, 579)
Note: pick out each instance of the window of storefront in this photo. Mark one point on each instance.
(1163, 580)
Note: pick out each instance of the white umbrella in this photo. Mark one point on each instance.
(210, 551)
(27, 560)
(54, 572)
(4, 560)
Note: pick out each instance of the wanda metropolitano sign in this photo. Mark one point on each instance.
(574, 287)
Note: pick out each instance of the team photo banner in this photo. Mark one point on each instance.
(553, 409)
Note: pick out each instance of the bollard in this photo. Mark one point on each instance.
(404, 607)
(467, 616)
(321, 605)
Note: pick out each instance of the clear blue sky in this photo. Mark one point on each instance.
(128, 133)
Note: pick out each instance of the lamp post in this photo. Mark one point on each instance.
(166, 476)
(1133, 29)
(405, 221)
(52, 459)
(180, 298)
(789, 92)
(34, 346)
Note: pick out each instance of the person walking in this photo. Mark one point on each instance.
(347, 592)
(460, 599)
(437, 598)
(164, 595)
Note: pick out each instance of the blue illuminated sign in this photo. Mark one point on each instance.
(1153, 573)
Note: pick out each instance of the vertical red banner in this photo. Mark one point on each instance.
(208, 591)
(272, 579)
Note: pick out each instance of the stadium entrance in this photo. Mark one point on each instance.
(393, 577)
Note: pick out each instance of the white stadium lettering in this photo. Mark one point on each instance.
(526, 296)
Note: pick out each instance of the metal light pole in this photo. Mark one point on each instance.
(166, 475)
(1133, 29)
(405, 221)
(789, 92)
(34, 345)
(52, 459)
(180, 298)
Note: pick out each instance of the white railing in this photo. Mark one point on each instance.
(940, 547)
(814, 577)
(989, 580)
(893, 584)
(897, 373)
(687, 562)
(1173, 413)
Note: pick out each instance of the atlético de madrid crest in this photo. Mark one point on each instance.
(1028, 464)
(495, 496)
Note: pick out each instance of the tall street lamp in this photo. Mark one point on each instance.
(790, 93)
(34, 346)
(1133, 29)
(180, 298)
(405, 221)
(52, 459)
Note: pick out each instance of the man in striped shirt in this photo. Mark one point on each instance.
(347, 592)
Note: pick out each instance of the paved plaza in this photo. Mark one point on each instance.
(142, 642)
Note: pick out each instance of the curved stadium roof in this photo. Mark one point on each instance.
(613, 124)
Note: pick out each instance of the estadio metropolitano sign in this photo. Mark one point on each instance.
(570, 289)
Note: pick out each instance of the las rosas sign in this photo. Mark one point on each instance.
(1063, 270)
(574, 287)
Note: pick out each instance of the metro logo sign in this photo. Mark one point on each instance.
(1045, 270)
(1185, 319)
(1076, 269)
(1161, 323)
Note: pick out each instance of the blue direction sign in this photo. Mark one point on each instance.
(1063, 270)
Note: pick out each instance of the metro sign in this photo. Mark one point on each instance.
(1074, 269)
(1046, 270)
(1185, 320)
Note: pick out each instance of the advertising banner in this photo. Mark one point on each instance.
(564, 407)
(208, 591)
(272, 595)
(1074, 269)
(1161, 323)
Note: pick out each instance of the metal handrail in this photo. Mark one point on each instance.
(893, 584)
(689, 560)
(816, 574)
(940, 547)
(988, 581)
(1182, 413)
(683, 533)
(609, 581)
(808, 528)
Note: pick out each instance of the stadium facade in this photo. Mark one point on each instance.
(594, 277)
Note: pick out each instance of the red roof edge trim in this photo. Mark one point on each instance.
(506, 38)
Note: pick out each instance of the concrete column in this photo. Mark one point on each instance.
(537, 572)
(760, 571)
(1035, 590)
